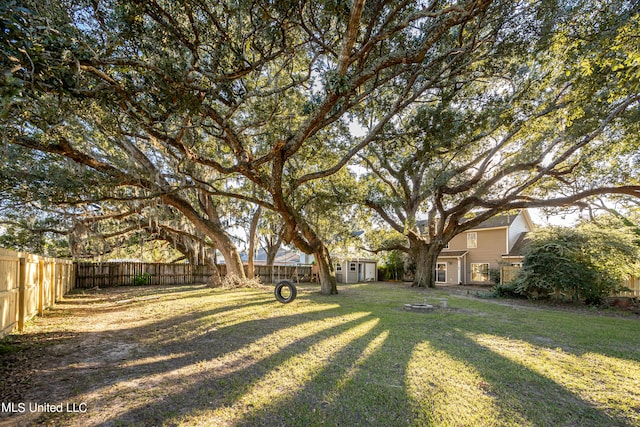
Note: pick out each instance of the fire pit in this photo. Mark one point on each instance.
(421, 308)
(425, 307)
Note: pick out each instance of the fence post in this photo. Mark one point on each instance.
(22, 280)
(40, 287)
(52, 285)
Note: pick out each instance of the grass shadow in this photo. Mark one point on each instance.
(238, 357)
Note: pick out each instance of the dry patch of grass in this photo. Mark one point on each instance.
(190, 355)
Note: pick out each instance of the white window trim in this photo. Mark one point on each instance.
(488, 273)
(338, 267)
(352, 266)
(472, 240)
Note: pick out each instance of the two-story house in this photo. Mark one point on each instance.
(472, 256)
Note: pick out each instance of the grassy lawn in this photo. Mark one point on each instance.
(191, 355)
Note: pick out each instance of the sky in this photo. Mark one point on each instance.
(541, 219)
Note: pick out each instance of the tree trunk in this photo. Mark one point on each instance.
(271, 254)
(215, 280)
(232, 258)
(326, 272)
(213, 230)
(252, 241)
(425, 257)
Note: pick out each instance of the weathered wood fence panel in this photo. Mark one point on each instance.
(508, 273)
(106, 274)
(28, 285)
(275, 273)
(634, 285)
(9, 290)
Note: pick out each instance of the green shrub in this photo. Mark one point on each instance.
(393, 266)
(494, 275)
(507, 290)
(141, 279)
(583, 264)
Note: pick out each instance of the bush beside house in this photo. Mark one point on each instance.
(582, 264)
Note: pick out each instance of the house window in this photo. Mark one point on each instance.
(338, 266)
(352, 266)
(472, 240)
(480, 272)
(441, 272)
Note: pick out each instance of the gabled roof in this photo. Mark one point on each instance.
(518, 247)
(500, 220)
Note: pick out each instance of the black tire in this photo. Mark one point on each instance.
(293, 292)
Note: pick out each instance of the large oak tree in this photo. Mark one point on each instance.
(550, 118)
(185, 101)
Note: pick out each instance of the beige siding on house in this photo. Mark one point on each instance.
(458, 243)
(492, 244)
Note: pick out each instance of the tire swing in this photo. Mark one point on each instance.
(289, 294)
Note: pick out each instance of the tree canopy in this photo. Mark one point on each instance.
(532, 125)
(175, 110)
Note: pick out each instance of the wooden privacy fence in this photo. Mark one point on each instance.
(633, 284)
(275, 273)
(508, 273)
(106, 274)
(28, 285)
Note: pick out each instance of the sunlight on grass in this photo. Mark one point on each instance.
(275, 342)
(609, 383)
(150, 360)
(170, 380)
(234, 317)
(446, 392)
(197, 356)
(211, 323)
(353, 370)
(284, 381)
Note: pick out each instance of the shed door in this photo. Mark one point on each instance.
(370, 271)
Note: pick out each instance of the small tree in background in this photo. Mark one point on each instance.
(582, 264)
(394, 265)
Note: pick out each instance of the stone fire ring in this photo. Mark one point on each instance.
(420, 308)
